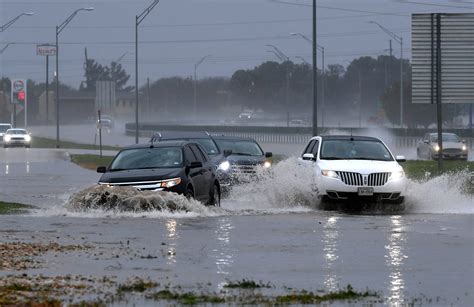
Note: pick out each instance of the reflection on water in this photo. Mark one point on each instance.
(330, 242)
(27, 167)
(173, 236)
(394, 259)
(7, 169)
(223, 252)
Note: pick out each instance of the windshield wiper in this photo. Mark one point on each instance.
(373, 159)
(241, 154)
(333, 158)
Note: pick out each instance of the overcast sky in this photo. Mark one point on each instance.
(179, 32)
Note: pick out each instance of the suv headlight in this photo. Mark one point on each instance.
(170, 183)
(331, 174)
(397, 175)
(436, 147)
(7, 138)
(224, 166)
(267, 164)
(27, 138)
(464, 147)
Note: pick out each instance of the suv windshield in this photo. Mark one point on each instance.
(354, 150)
(447, 138)
(241, 147)
(17, 131)
(143, 158)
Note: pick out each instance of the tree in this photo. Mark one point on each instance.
(96, 72)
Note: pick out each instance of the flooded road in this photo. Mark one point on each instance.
(271, 232)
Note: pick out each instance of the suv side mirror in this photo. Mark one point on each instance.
(309, 156)
(401, 159)
(227, 152)
(101, 169)
(463, 141)
(195, 164)
(268, 155)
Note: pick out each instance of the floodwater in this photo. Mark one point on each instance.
(271, 231)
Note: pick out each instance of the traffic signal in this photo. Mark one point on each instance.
(21, 96)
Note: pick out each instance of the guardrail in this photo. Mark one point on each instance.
(294, 135)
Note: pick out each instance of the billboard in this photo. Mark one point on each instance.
(456, 46)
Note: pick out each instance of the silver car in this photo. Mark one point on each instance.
(453, 147)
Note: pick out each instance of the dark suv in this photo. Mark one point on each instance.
(243, 156)
(174, 166)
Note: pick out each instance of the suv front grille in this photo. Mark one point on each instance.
(378, 179)
(351, 178)
(244, 169)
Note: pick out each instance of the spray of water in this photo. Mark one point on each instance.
(447, 194)
(287, 187)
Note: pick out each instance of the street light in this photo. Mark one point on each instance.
(195, 82)
(284, 58)
(138, 20)
(59, 29)
(8, 24)
(323, 73)
(399, 40)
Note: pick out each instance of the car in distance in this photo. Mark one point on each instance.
(244, 156)
(105, 121)
(453, 147)
(173, 166)
(16, 137)
(355, 168)
(3, 128)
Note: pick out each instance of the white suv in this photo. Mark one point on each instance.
(355, 167)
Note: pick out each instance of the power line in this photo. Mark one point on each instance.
(433, 4)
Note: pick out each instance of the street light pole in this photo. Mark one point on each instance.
(59, 29)
(323, 73)
(286, 60)
(315, 71)
(195, 83)
(8, 24)
(399, 40)
(138, 20)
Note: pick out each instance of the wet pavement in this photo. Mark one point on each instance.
(273, 232)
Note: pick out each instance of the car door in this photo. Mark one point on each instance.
(195, 174)
(207, 169)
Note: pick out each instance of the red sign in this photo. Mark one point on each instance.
(21, 96)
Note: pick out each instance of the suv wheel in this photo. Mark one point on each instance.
(215, 197)
(189, 193)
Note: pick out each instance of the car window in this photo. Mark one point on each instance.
(197, 152)
(190, 156)
(315, 148)
(240, 147)
(147, 158)
(309, 147)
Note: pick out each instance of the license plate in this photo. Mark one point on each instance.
(365, 191)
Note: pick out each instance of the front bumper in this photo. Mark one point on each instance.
(448, 156)
(336, 189)
(16, 142)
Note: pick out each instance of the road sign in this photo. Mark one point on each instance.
(45, 49)
(19, 91)
(456, 63)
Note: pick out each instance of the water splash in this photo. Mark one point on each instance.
(447, 194)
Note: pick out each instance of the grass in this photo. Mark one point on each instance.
(419, 170)
(246, 284)
(91, 162)
(188, 298)
(138, 285)
(310, 298)
(14, 208)
(39, 142)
